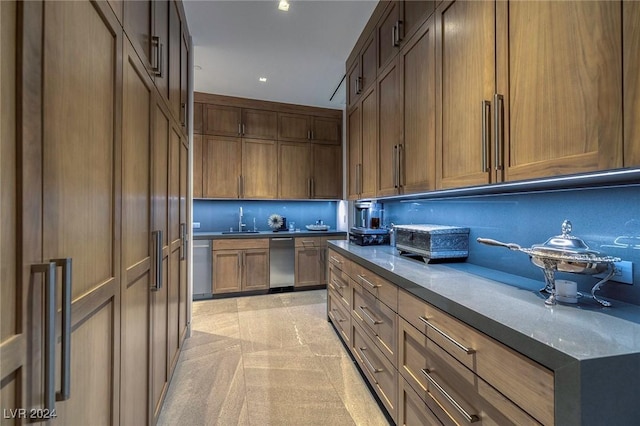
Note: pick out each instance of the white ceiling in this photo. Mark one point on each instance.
(302, 52)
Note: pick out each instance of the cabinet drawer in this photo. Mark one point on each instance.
(489, 359)
(310, 242)
(340, 283)
(338, 260)
(376, 285)
(377, 319)
(339, 315)
(412, 410)
(241, 243)
(442, 381)
(376, 367)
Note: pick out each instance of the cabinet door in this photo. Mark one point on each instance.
(14, 289)
(309, 267)
(221, 120)
(136, 239)
(631, 82)
(369, 62)
(259, 124)
(175, 66)
(80, 203)
(227, 269)
(412, 14)
(369, 162)
(294, 127)
(255, 269)
(561, 119)
(161, 46)
(354, 146)
(465, 79)
(294, 170)
(184, 85)
(198, 125)
(418, 82)
(353, 82)
(183, 309)
(223, 167)
(388, 34)
(160, 222)
(327, 171)
(198, 166)
(259, 168)
(138, 20)
(327, 130)
(389, 130)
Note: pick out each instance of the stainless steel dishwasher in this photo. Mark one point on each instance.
(202, 269)
(281, 262)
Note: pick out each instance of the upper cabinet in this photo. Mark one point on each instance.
(159, 35)
(631, 82)
(362, 70)
(558, 108)
(265, 150)
(301, 128)
(398, 22)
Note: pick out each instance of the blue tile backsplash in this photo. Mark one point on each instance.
(217, 216)
(608, 219)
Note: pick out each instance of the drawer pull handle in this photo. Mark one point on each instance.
(335, 283)
(368, 282)
(468, 351)
(368, 365)
(308, 242)
(471, 418)
(339, 318)
(365, 310)
(335, 260)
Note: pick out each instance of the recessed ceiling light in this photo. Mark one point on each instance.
(284, 5)
(263, 79)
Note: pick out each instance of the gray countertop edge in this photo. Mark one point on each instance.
(266, 234)
(539, 351)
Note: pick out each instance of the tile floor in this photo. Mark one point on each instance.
(267, 360)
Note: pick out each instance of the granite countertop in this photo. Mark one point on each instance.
(509, 308)
(266, 234)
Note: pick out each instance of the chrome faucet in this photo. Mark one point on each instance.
(240, 224)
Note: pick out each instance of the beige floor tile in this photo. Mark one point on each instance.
(267, 360)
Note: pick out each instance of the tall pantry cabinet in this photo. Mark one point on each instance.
(93, 162)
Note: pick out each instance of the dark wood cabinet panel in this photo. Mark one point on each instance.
(389, 130)
(221, 178)
(389, 34)
(295, 170)
(327, 172)
(222, 120)
(326, 130)
(259, 124)
(294, 127)
(259, 168)
(631, 82)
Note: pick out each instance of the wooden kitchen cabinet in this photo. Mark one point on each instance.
(361, 73)
(541, 119)
(460, 144)
(259, 124)
(221, 120)
(303, 128)
(362, 147)
(222, 167)
(199, 164)
(327, 172)
(240, 265)
(198, 127)
(390, 152)
(294, 170)
(631, 82)
(259, 168)
(310, 264)
(417, 64)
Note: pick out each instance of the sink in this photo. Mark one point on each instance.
(241, 232)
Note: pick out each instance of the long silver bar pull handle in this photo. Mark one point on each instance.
(155, 48)
(486, 106)
(157, 266)
(183, 242)
(471, 418)
(65, 368)
(395, 163)
(400, 161)
(498, 101)
(459, 345)
(49, 271)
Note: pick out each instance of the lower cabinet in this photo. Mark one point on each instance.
(310, 268)
(240, 265)
(426, 366)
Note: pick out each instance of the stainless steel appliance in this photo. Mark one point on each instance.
(202, 270)
(281, 262)
(368, 228)
(432, 241)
